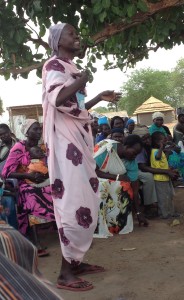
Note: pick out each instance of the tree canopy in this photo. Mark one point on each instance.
(1, 107)
(127, 29)
(167, 86)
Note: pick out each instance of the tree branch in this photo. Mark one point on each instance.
(135, 58)
(16, 71)
(40, 42)
(113, 29)
(108, 31)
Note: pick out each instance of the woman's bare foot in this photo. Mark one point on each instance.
(84, 269)
(69, 281)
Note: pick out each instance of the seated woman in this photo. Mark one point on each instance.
(158, 121)
(20, 277)
(116, 185)
(178, 130)
(34, 201)
(7, 142)
(8, 193)
(130, 125)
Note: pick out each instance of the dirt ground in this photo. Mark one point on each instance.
(153, 270)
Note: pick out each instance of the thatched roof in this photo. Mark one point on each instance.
(151, 105)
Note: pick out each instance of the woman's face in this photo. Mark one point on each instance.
(158, 121)
(181, 118)
(146, 139)
(35, 131)
(133, 151)
(118, 123)
(106, 129)
(118, 137)
(131, 127)
(69, 39)
(5, 135)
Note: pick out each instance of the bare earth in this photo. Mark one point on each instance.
(152, 271)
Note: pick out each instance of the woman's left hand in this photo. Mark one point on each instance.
(110, 96)
(142, 220)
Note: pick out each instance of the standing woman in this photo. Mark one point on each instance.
(67, 133)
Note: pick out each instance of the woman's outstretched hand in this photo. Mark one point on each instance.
(110, 96)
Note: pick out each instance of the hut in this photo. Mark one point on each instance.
(111, 114)
(17, 115)
(145, 111)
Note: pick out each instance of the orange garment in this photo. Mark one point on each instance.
(36, 165)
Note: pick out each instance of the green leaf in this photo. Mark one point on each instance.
(142, 6)
(37, 5)
(24, 75)
(38, 56)
(97, 8)
(106, 3)
(42, 30)
(98, 55)
(131, 10)
(18, 37)
(102, 16)
(93, 58)
(116, 10)
(7, 76)
(84, 31)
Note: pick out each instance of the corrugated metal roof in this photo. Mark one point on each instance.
(151, 105)
(122, 113)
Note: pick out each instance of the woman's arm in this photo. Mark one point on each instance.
(35, 177)
(109, 176)
(136, 203)
(158, 156)
(108, 96)
(19, 176)
(69, 91)
(104, 175)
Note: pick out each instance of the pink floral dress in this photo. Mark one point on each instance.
(74, 184)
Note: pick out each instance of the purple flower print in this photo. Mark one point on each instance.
(74, 154)
(55, 65)
(63, 238)
(83, 217)
(86, 127)
(94, 184)
(68, 103)
(71, 101)
(75, 112)
(57, 189)
(65, 60)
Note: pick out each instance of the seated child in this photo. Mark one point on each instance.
(8, 212)
(163, 185)
(38, 164)
(175, 158)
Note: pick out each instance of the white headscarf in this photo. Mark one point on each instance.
(27, 124)
(157, 114)
(54, 36)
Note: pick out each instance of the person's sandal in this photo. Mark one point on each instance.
(43, 253)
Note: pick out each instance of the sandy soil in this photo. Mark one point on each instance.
(154, 270)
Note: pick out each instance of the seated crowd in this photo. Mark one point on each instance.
(135, 165)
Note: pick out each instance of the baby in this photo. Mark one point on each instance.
(37, 164)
